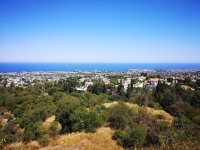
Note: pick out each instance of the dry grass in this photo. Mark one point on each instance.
(49, 120)
(34, 145)
(178, 145)
(108, 105)
(13, 146)
(167, 117)
(47, 123)
(153, 112)
(100, 140)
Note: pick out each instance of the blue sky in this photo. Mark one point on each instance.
(136, 31)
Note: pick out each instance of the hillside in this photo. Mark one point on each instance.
(87, 141)
(166, 117)
(99, 140)
(151, 111)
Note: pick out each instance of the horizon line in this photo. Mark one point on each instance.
(111, 62)
(102, 62)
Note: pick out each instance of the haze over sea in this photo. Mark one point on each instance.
(34, 67)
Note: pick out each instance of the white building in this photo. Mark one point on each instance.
(153, 82)
(88, 83)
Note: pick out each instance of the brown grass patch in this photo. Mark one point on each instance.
(34, 145)
(49, 120)
(13, 146)
(100, 140)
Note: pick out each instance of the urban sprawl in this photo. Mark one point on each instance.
(139, 78)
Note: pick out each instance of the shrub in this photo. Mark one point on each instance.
(85, 120)
(74, 117)
(181, 122)
(120, 116)
(54, 129)
(28, 136)
(44, 140)
(136, 137)
(152, 138)
(154, 105)
(10, 132)
(31, 132)
(132, 137)
(11, 128)
(114, 97)
(2, 142)
(119, 135)
(196, 120)
(92, 120)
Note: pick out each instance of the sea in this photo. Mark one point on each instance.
(50, 67)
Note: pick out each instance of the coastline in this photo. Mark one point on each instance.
(64, 67)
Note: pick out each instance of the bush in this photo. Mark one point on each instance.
(74, 117)
(114, 97)
(136, 137)
(54, 129)
(31, 132)
(92, 120)
(66, 108)
(196, 120)
(120, 116)
(154, 105)
(29, 135)
(152, 138)
(119, 135)
(85, 120)
(10, 132)
(2, 142)
(181, 122)
(11, 127)
(131, 138)
(44, 140)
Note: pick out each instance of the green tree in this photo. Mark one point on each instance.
(120, 90)
(97, 88)
(129, 92)
(120, 116)
(169, 79)
(65, 108)
(85, 120)
(70, 84)
(196, 100)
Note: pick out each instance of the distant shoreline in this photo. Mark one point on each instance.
(63, 67)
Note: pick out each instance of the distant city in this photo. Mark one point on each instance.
(143, 78)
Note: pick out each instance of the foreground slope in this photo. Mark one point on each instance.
(100, 140)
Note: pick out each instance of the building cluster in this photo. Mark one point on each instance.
(22, 79)
(142, 78)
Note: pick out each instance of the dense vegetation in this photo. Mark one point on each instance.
(26, 109)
